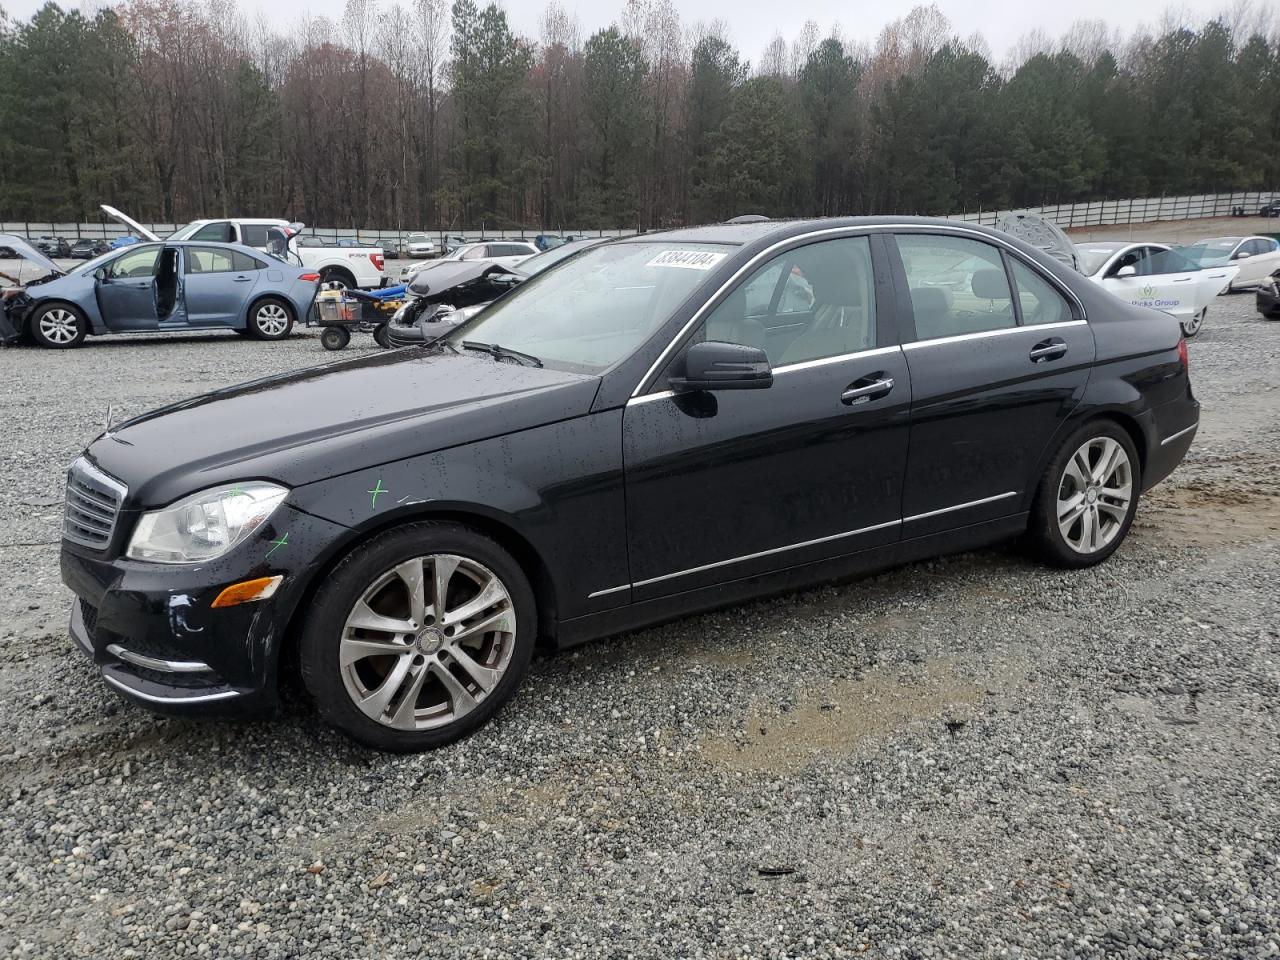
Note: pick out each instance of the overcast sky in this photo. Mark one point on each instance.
(753, 23)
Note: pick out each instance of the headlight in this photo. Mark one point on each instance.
(204, 525)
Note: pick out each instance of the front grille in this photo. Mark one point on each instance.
(93, 504)
(89, 613)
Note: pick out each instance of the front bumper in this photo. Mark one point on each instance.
(1268, 299)
(154, 635)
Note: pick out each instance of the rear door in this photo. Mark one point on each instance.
(729, 484)
(219, 281)
(999, 356)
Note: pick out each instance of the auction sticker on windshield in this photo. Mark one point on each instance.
(686, 259)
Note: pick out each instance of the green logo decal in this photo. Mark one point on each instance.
(1147, 292)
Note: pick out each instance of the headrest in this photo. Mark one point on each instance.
(990, 285)
(837, 280)
(928, 301)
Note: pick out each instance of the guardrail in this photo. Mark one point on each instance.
(1067, 215)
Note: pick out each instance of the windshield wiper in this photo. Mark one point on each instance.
(501, 353)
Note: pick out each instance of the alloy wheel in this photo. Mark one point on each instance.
(427, 642)
(1192, 326)
(59, 325)
(273, 319)
(1094, 495)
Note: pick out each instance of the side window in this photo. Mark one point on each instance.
(241, 262)
(208, 260)
(475, 253)
(253, 234)
(827, 307)
(1038, 300)
(1135, 258)
(218, 232)
(957, 285)
(136, 263)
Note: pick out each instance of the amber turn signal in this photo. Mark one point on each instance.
(259, 589)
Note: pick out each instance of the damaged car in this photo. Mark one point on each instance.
(157, 286)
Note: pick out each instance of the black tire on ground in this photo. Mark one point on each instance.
(334, 338)
(338, 275)
(58, 326)
(1044, 532)
(270, 319)
(363, 568)
(382, 336)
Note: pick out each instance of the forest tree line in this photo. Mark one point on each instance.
(437, 115)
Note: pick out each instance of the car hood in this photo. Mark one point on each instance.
(308, 425)
(24, 249)
(1042, 234)
(129, 222)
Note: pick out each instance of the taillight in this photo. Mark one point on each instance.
(1182, 354)
(311, 277)
(377, 260)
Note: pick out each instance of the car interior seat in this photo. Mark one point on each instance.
(730, 323)
(843, 321)
(932, 310)
(166, 282)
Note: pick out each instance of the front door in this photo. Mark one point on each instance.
(993, 377)
(126, 289)
(218, 283)
(729, 484)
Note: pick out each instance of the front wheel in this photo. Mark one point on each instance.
(418, 637)
(1192, 326)
(58, 326)
(1086, 500)
(382, 336)
(270, 319)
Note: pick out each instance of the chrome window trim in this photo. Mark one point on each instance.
(153, 663)
(153, 698)
(766, 553)
(1000, 332)
(960, 506)
(1181, 433)
(855, 230)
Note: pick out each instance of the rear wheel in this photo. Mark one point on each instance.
(343, 279)
(382, 336)
(58, 326)
(270, 319)
(418, 637)
(1086, 500)
(1192, 326)
(334, 338)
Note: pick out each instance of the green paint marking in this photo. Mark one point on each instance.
(378, 488)
(233, 492)
(277, 544)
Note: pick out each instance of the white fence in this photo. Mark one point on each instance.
(1067, 215)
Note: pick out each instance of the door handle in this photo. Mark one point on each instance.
(1189, 279)
(1052, 349)
(243, 279)
(868, 388)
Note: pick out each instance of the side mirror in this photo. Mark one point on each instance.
(714, 365)
(101, 275)
(1243, 255)
(1127, 271)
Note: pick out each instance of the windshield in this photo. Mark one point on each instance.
(1093, 257)
(548, 258)
(596, 308)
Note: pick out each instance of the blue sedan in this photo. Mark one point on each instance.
(167, 286)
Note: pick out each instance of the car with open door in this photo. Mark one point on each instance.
(166, 286)
(1155, 275)
(658, 425)
(1255, 258)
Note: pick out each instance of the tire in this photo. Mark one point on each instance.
(338, 275)
(334, 338)
(58, 326)
(1191, 327)
(447, 681)
(269, 319)
(1068, 545)
(382, 336)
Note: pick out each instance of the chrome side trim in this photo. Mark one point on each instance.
(766, 553)
(961, 506)
(983, 334)
(152, 698)
(839, 358)
(661, 395)
(605, 593)
(1181, 433)
(152, 663)
(853, 231)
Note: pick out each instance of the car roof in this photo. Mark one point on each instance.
(270, 221)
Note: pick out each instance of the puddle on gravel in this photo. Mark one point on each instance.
(1208, 517)
(887, 699)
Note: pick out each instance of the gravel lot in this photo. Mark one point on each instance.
(975, 756)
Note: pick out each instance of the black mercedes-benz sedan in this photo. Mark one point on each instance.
(660, 425)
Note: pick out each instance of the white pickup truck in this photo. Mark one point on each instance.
(349, 266)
